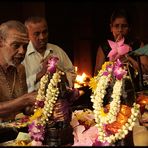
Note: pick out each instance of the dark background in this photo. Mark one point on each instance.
(78, 26)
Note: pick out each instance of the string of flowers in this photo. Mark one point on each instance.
(102, 117)
(45, 100)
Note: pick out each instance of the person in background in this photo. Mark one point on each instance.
(39, 51)
(14, 98)
(120, 27)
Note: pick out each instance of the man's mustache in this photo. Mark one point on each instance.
(19, 57)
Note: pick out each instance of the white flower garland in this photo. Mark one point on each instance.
(110, 117)
(46, 98)
(121, 132)
(98, 96)
(51, 95)
(40, 96)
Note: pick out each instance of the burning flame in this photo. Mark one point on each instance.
(81, 80)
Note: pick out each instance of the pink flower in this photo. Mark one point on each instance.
(98, 143)
(52, 62)
(118, 49)
(118, 70)
(36, 131)
(40, 103)
(119, 73)
(84, 137)
(24, 119)
(106, 73)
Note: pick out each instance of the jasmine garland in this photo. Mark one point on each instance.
(111, 70)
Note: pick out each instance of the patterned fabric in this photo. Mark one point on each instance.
(7, 80)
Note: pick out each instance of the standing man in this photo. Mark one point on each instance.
(38, 52)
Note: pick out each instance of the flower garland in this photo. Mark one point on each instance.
(99, 85)
(45, 100)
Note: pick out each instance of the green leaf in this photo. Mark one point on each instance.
(140, 51)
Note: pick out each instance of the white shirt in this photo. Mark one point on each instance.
(32, 63)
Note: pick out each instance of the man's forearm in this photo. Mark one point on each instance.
(11, 106)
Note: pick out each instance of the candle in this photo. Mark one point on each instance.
(76, 69)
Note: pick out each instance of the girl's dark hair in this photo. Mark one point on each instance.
(117, 13)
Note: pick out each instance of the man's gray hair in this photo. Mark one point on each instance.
(34, 20)
(10, 25)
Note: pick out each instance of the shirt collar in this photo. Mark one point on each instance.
(31, 48)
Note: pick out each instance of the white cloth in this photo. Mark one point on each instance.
(32, 63)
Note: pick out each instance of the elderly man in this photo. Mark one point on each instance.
(38, 52)
(13, 88)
